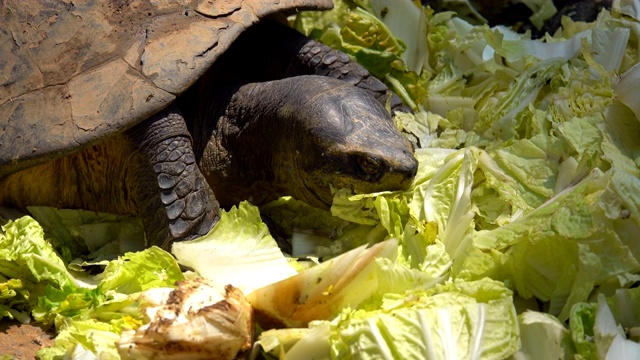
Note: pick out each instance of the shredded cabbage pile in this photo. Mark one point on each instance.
(519, 238)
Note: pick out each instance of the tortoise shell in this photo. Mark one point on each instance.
(73, 72)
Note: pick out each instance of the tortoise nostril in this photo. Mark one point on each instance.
(411, 169)
(410, 175)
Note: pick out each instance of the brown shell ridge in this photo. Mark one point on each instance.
(74, 72)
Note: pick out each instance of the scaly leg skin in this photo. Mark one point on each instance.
(173, 198)
(270, 51)
(336, 64)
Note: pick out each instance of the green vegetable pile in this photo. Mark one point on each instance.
(519, 238)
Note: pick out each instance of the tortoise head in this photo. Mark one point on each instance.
(303, 136)
(342, 137)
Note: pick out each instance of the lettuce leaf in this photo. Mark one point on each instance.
(543, 337)
(573, 247)
(319, 293)
(239, 251)
(30, 269)
(529, 160)
(369, 41)
(138, 271)
(74, 232)
(527, 189)
(596, 332)
(37, 283)
(83, 339)
(450, 321)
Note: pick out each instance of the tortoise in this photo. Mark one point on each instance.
(171, 110)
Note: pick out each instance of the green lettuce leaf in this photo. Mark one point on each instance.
(315, 232)
(129, 274)
(138, 271)
(596, 331)
(35, 282)
(451, 321)
(311, 342)
(543, 337)
(528, 183)
(561, 250)
(409, 24)
(29, 268)
(83, 339)
(74, 232)
(368, 40)
(239, 251)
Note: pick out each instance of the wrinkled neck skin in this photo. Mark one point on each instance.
(242, 140)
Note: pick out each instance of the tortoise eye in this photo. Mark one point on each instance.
(370, 165)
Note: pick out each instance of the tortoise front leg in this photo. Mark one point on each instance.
(171, 195)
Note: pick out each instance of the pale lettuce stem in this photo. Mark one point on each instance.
(426, 335)
(402, 92)
(385, 352)
(475, 348)
(450, 345)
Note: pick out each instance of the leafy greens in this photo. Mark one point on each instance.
(517, 239)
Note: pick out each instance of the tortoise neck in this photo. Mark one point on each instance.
(240, 143)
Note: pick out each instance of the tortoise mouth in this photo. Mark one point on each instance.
(313, 197)
(317, 189)
(305, 185)
(316, 184)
